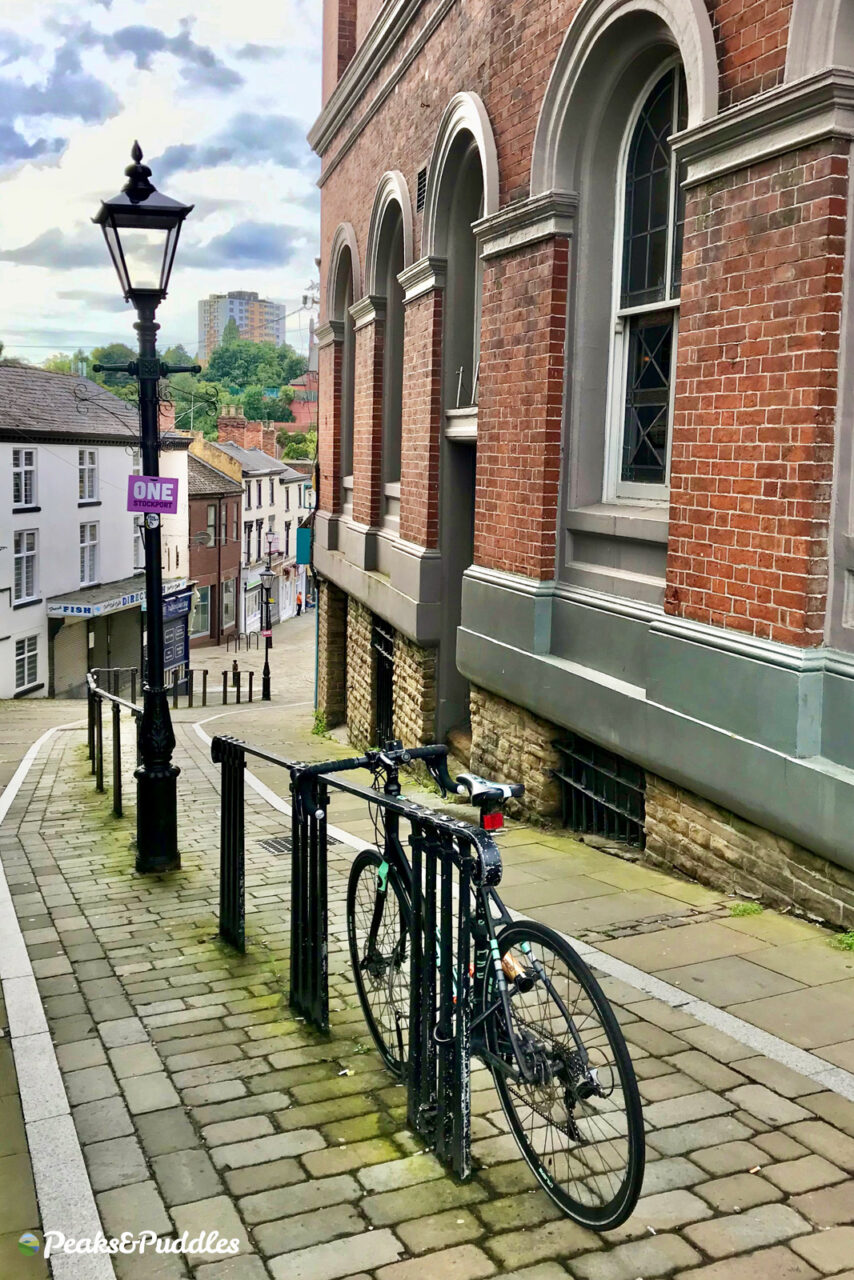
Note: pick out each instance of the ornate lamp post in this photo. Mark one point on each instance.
(267, 580)
(141, 227)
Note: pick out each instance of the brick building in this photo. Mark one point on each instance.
(214, 501)
(585, 406)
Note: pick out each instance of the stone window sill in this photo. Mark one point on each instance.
(26, 604)
(617, 520)
(30, 688)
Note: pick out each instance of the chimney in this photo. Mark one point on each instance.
(269, 445)
(231, 426)
(254, 435)
(166, 416)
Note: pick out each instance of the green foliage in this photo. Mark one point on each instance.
(114, 353)
(197, 404)
(260, 408)
(10, 360)
(297, 444)
(178, 355)
(230, 333)
(243, 364)
(844, 941)
(319, 724)
(745, 909)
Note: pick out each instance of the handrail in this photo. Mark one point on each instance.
(98, 692)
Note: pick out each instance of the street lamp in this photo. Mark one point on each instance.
(267, 580)
(141, 227)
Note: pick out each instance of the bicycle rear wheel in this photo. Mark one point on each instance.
(580, 1127)
(378, 907)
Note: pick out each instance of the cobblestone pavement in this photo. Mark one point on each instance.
(200, 1103)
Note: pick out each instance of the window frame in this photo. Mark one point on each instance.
(228, 592)
(211, 525)
(202, 610)
(24, 556)
(91, 546)
(616, 489)
(25, 470)
(87, 474)
(30, 652)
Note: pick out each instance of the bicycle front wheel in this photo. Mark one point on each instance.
(579, 1123)
(378, 929)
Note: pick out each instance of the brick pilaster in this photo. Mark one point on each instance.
(422, 419)
(330, 365)
(369, 317)
(520, 408)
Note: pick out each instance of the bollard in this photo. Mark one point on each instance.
(225, 688)
(237, 676)
(235, 672)
(251, 678)
(205, 687)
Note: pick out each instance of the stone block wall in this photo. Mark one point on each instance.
(414, 692)
(720, 849)
(510, 744)
(360, 674)
(332, 654)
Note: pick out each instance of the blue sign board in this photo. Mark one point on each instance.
(303, 546)
(177, 605)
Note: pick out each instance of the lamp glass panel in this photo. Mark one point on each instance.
(143, 249)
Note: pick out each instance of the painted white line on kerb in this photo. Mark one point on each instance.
(276, 802)
(63, 1190)
(754, 1038)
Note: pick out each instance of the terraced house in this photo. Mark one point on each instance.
(586, 413)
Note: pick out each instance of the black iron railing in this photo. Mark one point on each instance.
(96, 697)
(242, 639)
(117, 680)
(447, 858)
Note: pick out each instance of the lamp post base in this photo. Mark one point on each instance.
(157, 819)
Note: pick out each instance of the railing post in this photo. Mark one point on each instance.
(237, 676)
(99, 745)
(116, 683)
(175, 687)
(232, 876)
(190, 675)
(90, 698)
(117, 760)
(251, 678)
(225, 688)
(133, 685)
(205, 687)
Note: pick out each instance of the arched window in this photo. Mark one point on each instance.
(464, 195)
(390, 263)
(647, 279)
(343, 301)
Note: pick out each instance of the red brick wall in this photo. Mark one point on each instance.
(368, 423)
(329, 431)
(422, 420)
(756, 397)
(339, 41)
(204, 560)
(231, 429)
(520, 409)
(751, 38)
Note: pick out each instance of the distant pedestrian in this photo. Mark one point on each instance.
(299, 603)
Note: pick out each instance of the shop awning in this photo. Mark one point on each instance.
(109, 597)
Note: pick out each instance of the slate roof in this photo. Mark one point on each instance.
(257, 463)
(37, 404)
(203, 479)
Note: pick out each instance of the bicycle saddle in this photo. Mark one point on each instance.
(481, 789)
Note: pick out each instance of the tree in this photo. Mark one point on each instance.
(258, 407)
(10, 361)
(177, 355)
(297, 445)
(114, 353)
(197, 404)
(242, 364)
(230, 333)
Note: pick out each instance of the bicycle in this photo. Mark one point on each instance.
(540, 1020)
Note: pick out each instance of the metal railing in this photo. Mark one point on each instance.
(116, 679)
(96, 697)
(447, 857)
(245, 637)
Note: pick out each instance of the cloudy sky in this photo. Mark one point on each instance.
(220, 96)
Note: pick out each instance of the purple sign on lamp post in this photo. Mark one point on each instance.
(153, 494)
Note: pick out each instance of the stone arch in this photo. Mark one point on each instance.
(344, 238)
(821, 35)
(392, 189)
(586, 70)
(465, 113)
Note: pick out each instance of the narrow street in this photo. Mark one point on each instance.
(200, 1103)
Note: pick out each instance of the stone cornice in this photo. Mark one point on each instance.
(326, 334)
(367, 310)
(526, 222)
(423, 276)
(386, 30)
(792, 116)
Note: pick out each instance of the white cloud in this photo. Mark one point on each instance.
(251, 183)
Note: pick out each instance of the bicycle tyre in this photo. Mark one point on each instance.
(545, 1162)
(385, 997)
